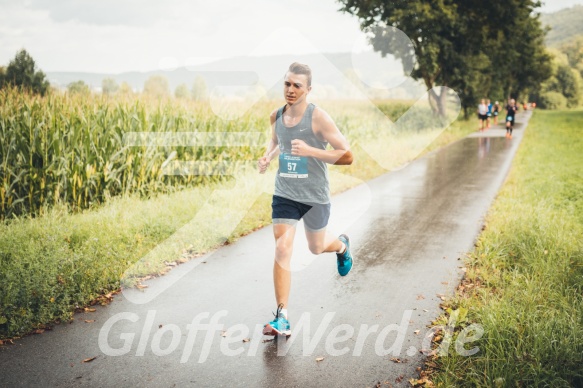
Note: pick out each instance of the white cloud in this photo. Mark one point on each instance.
(113, 36)
(116, 36)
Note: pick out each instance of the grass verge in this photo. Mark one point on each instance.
(524, 281)
(52, 264)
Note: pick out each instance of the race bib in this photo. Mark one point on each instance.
(291, 166)
(509, 118)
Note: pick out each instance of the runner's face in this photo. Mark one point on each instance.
(295, 88)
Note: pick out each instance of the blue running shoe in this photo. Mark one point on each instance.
(344, 260)
(279, 326)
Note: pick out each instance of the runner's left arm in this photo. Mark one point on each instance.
(324, 126)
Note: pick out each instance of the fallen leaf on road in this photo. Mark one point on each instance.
(424, 382)
(246, 339)
(425, 310)
(399, 379)
(142, 286)
(267, 340)
(396, 360)
(416, 331)
(223, 333)
(419, 297)
(319, 359)
(89, 310)
(89, 320)
(89, 359)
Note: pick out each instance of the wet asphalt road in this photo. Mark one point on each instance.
(408, 230)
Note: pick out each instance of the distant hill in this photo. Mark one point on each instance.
(331, 73)
(565, 24)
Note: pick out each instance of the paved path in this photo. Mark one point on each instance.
(416, 224)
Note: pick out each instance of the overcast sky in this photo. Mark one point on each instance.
(112, 36)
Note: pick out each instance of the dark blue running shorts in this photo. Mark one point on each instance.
(287, 211)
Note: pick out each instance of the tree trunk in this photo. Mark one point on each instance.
(438, 102)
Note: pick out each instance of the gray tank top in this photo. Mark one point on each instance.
(301, 179)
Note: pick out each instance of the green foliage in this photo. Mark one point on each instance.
(125, 90)
(2, 76)
(565, 80)
(157, 86)
(573, 49)
(468, 46)
(22, 73)
(524, 283)
(552, 100)
(182, 91)
(109, 86)
(199, 89)
(569, 84)
(564, 25)
(78, 87)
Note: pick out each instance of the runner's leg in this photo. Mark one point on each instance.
(322, 241)
(284, 238)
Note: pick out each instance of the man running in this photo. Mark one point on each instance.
(299, 135)
(510, 114)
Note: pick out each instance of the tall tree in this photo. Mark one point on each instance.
(181, 91)
(2, 76)
(125, 89)
(573, 49)
(457, 43)
(199, 89)
(109, 86)
(521, 60)
(21, 72)
(78, 87)
(157, 86)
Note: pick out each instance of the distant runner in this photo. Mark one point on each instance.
(511, 109)
(496, 112)
(299, 135)
(482, 115)
(489, 114)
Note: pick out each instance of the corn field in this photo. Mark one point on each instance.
(70, 149)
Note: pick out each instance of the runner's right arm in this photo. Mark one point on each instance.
(272, 147)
